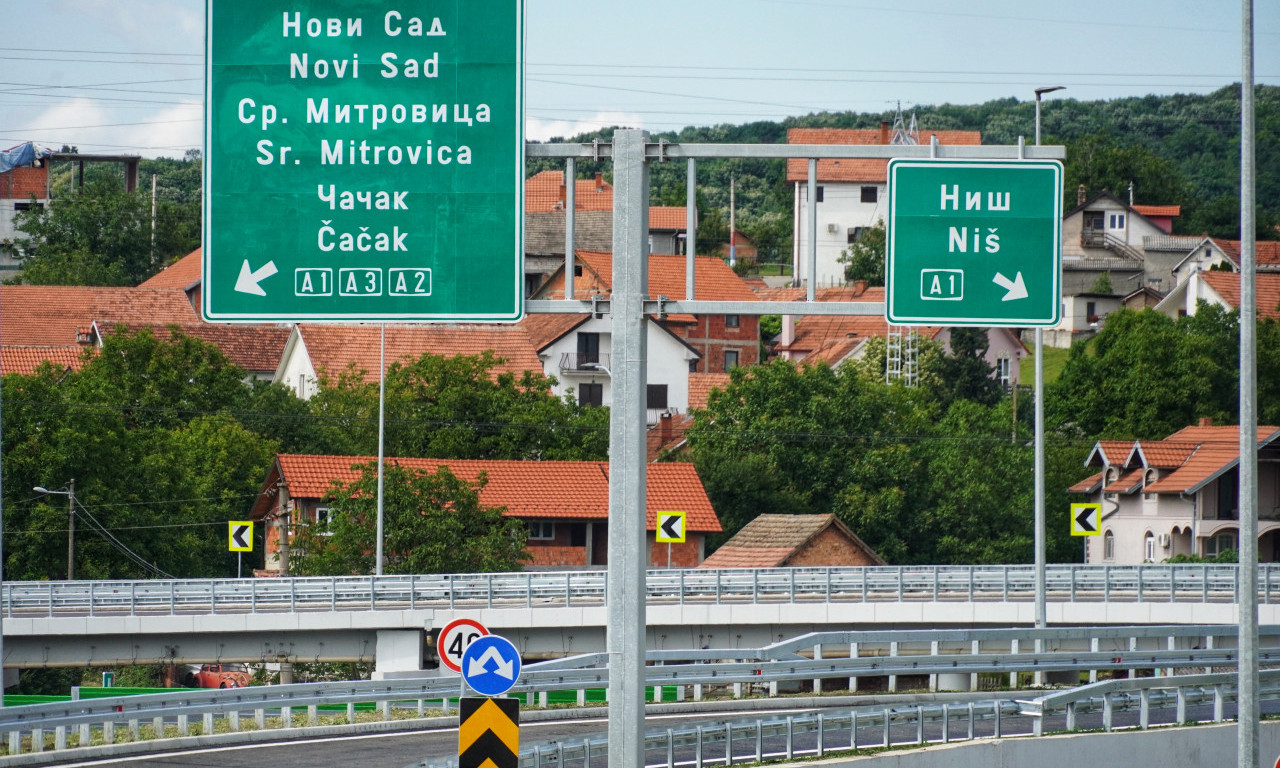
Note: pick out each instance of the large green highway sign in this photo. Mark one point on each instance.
(364, 160)
(974, 242)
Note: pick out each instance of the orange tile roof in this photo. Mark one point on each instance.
(700, 386)
(183, 273)
(1166, 453)
(51, 315)
(255, 348)
(832, 337)
(542, 193)
(528, 489)
(856, 170)
(544, 329)
(1115, 453)
(668, 217)
(713, 278)
(769, 540)
(1217, 449)
(1127, 483)
(25, 360)
(1158, 210)
(1087, 485)
(333, 347)
(1266, 253)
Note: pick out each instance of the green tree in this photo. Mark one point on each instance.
(1103, 161)
(433, 522)
(1146, 375)
(146, 429)
(864, 260)
(802, 439)
(457, 408)
(99, 234)
(965, 374)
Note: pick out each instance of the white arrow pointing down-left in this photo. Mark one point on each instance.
(249, 278)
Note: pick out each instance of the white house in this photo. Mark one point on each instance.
(850, 196)
(1179, 496)
(577, 351)
(1222, 289)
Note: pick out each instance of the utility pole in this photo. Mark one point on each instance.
(283, 515)
(733, 240)
(71, 529)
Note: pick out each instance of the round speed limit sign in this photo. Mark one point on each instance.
(454, 639)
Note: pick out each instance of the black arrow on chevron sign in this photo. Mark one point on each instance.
(671, 527)
(1084, 520)
(238, 535)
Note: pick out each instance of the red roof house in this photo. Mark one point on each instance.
(566, 503)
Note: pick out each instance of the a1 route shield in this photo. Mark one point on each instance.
(974, 242)
(454, 640)
(491, 665)
(364, 161)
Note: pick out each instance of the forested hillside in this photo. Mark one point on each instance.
(1182, 150)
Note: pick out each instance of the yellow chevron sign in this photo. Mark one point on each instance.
(488, 733)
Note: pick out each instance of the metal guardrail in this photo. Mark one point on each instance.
(816, 735)
(739, 671)
(1182, 583)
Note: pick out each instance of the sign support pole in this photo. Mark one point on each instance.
(625, 638)
(1248, 710)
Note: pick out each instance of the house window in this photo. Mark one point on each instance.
(577, 270)
(1149, 547)
(577, 534)
(869, 194)
(1004, 372)
(588, 348)
(731, 321)
(1216, 545)
(542, 530)
(855, 234)
(27, 206)
(591, 394)
(1117, 221)
(1108, 546)
(324, 518)
(730, 359)
(693, 366)
(656, 396)
(818, 197)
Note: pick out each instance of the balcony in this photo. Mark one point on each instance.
(584, 363)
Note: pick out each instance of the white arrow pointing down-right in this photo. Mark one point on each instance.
(1015, 287)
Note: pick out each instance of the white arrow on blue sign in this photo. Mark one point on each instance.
(491, 665)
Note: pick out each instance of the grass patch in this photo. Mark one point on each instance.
(1055, 359)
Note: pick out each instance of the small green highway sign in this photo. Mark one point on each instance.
(974, 242)
(364, 161)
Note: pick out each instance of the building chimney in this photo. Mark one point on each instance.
(1206, 422)
(665, 431)
(1081, 194)
(561, 199)
(884, 132)
(599, 182)
(859, 287)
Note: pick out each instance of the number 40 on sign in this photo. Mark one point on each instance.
(454, 640)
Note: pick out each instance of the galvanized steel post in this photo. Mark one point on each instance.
(1247, 705)
(625, 638)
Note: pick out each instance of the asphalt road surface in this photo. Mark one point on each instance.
(397, 750)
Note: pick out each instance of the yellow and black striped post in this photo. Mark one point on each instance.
(488, 733)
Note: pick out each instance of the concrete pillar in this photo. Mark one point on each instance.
(286, 673)
(893, 679)
(853, 654)
(399, 651)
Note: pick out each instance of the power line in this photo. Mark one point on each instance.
(105, 53)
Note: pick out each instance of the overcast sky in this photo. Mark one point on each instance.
(127, 75)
